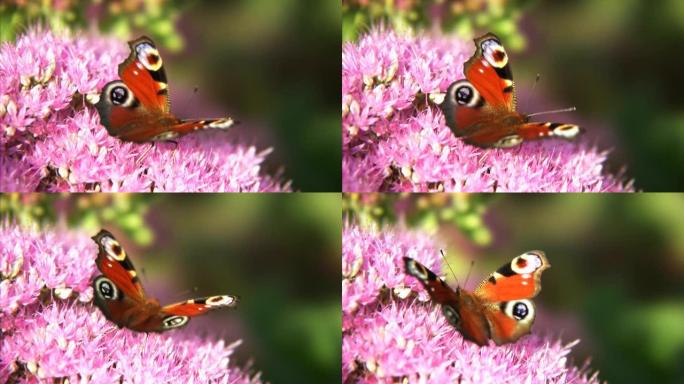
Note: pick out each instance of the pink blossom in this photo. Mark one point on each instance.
(52, 141)
(50, 330)
(366, 274)
(395, 140)
(390, 334)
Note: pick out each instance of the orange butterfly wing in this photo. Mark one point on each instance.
(143, 72)
(506, 293)
(114, 263)
(488, 70)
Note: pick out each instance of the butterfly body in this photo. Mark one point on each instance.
(137, 108)
(122, 299)
(498, 309)
(481, 108)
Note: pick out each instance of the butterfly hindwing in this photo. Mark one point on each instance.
(507, 293)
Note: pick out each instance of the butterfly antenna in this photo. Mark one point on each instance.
(448, 265)
(472, 264)
(534, 85)
(571, 109)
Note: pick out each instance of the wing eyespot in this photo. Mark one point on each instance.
(494, 53)
(149, 56)
(451, 315)
(113, 249)
(118, 94)
(462, 93)
(526, 263)
(520, 310)
(220, 301)
(175, 321)
(106, 289)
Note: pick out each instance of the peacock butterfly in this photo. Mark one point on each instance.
(136, 108)
(498, 309)
(122, 299)
(481, 107)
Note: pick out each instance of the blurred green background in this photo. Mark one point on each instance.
(617, 266)
(272, 65)
(617, 61)
(279, 252)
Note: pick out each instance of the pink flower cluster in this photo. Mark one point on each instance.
(395, 140)
(50, 330)
(391, 335)
(52, 141)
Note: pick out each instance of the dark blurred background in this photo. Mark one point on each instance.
(273, 65)
(617, 266)
(277, 65)
(616, 61)
(279, 252)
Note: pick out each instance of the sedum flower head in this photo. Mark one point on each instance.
(372, 261)
(51, 331)
(53, 141)
(403, 337)
(395, 140)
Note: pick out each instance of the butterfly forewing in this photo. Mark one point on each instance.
(519, 279)
(114, 263)
(143, 72)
